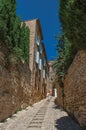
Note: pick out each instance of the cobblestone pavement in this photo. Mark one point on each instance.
(44, 115)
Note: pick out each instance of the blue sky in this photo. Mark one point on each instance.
(47, 12)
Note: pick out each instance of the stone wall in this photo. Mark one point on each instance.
(59, 99)
(72, 97)
(15, 90)
(75, 88)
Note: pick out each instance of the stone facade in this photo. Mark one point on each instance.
(38, 60)
(52, 77)
(73, 96)
(14, 85)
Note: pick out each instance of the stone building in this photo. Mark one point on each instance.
(38, 59)
(51, 82)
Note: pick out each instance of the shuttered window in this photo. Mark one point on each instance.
(37, 57)
(38, 40)
(44, 62)
(40, 64)
(41, 48)
(43, 73)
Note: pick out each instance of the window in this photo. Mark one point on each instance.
(41, 48)
(40, 64)
(38, 40)
(44, 62)
(37, 57)
(43, 73)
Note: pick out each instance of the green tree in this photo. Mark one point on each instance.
(69, 53)
(24, 40)
(7, 18)
(16, 32)
(15, 36)
(66, 52)
(59, 63)
(73, 18)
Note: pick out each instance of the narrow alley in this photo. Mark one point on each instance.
(44, 115)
